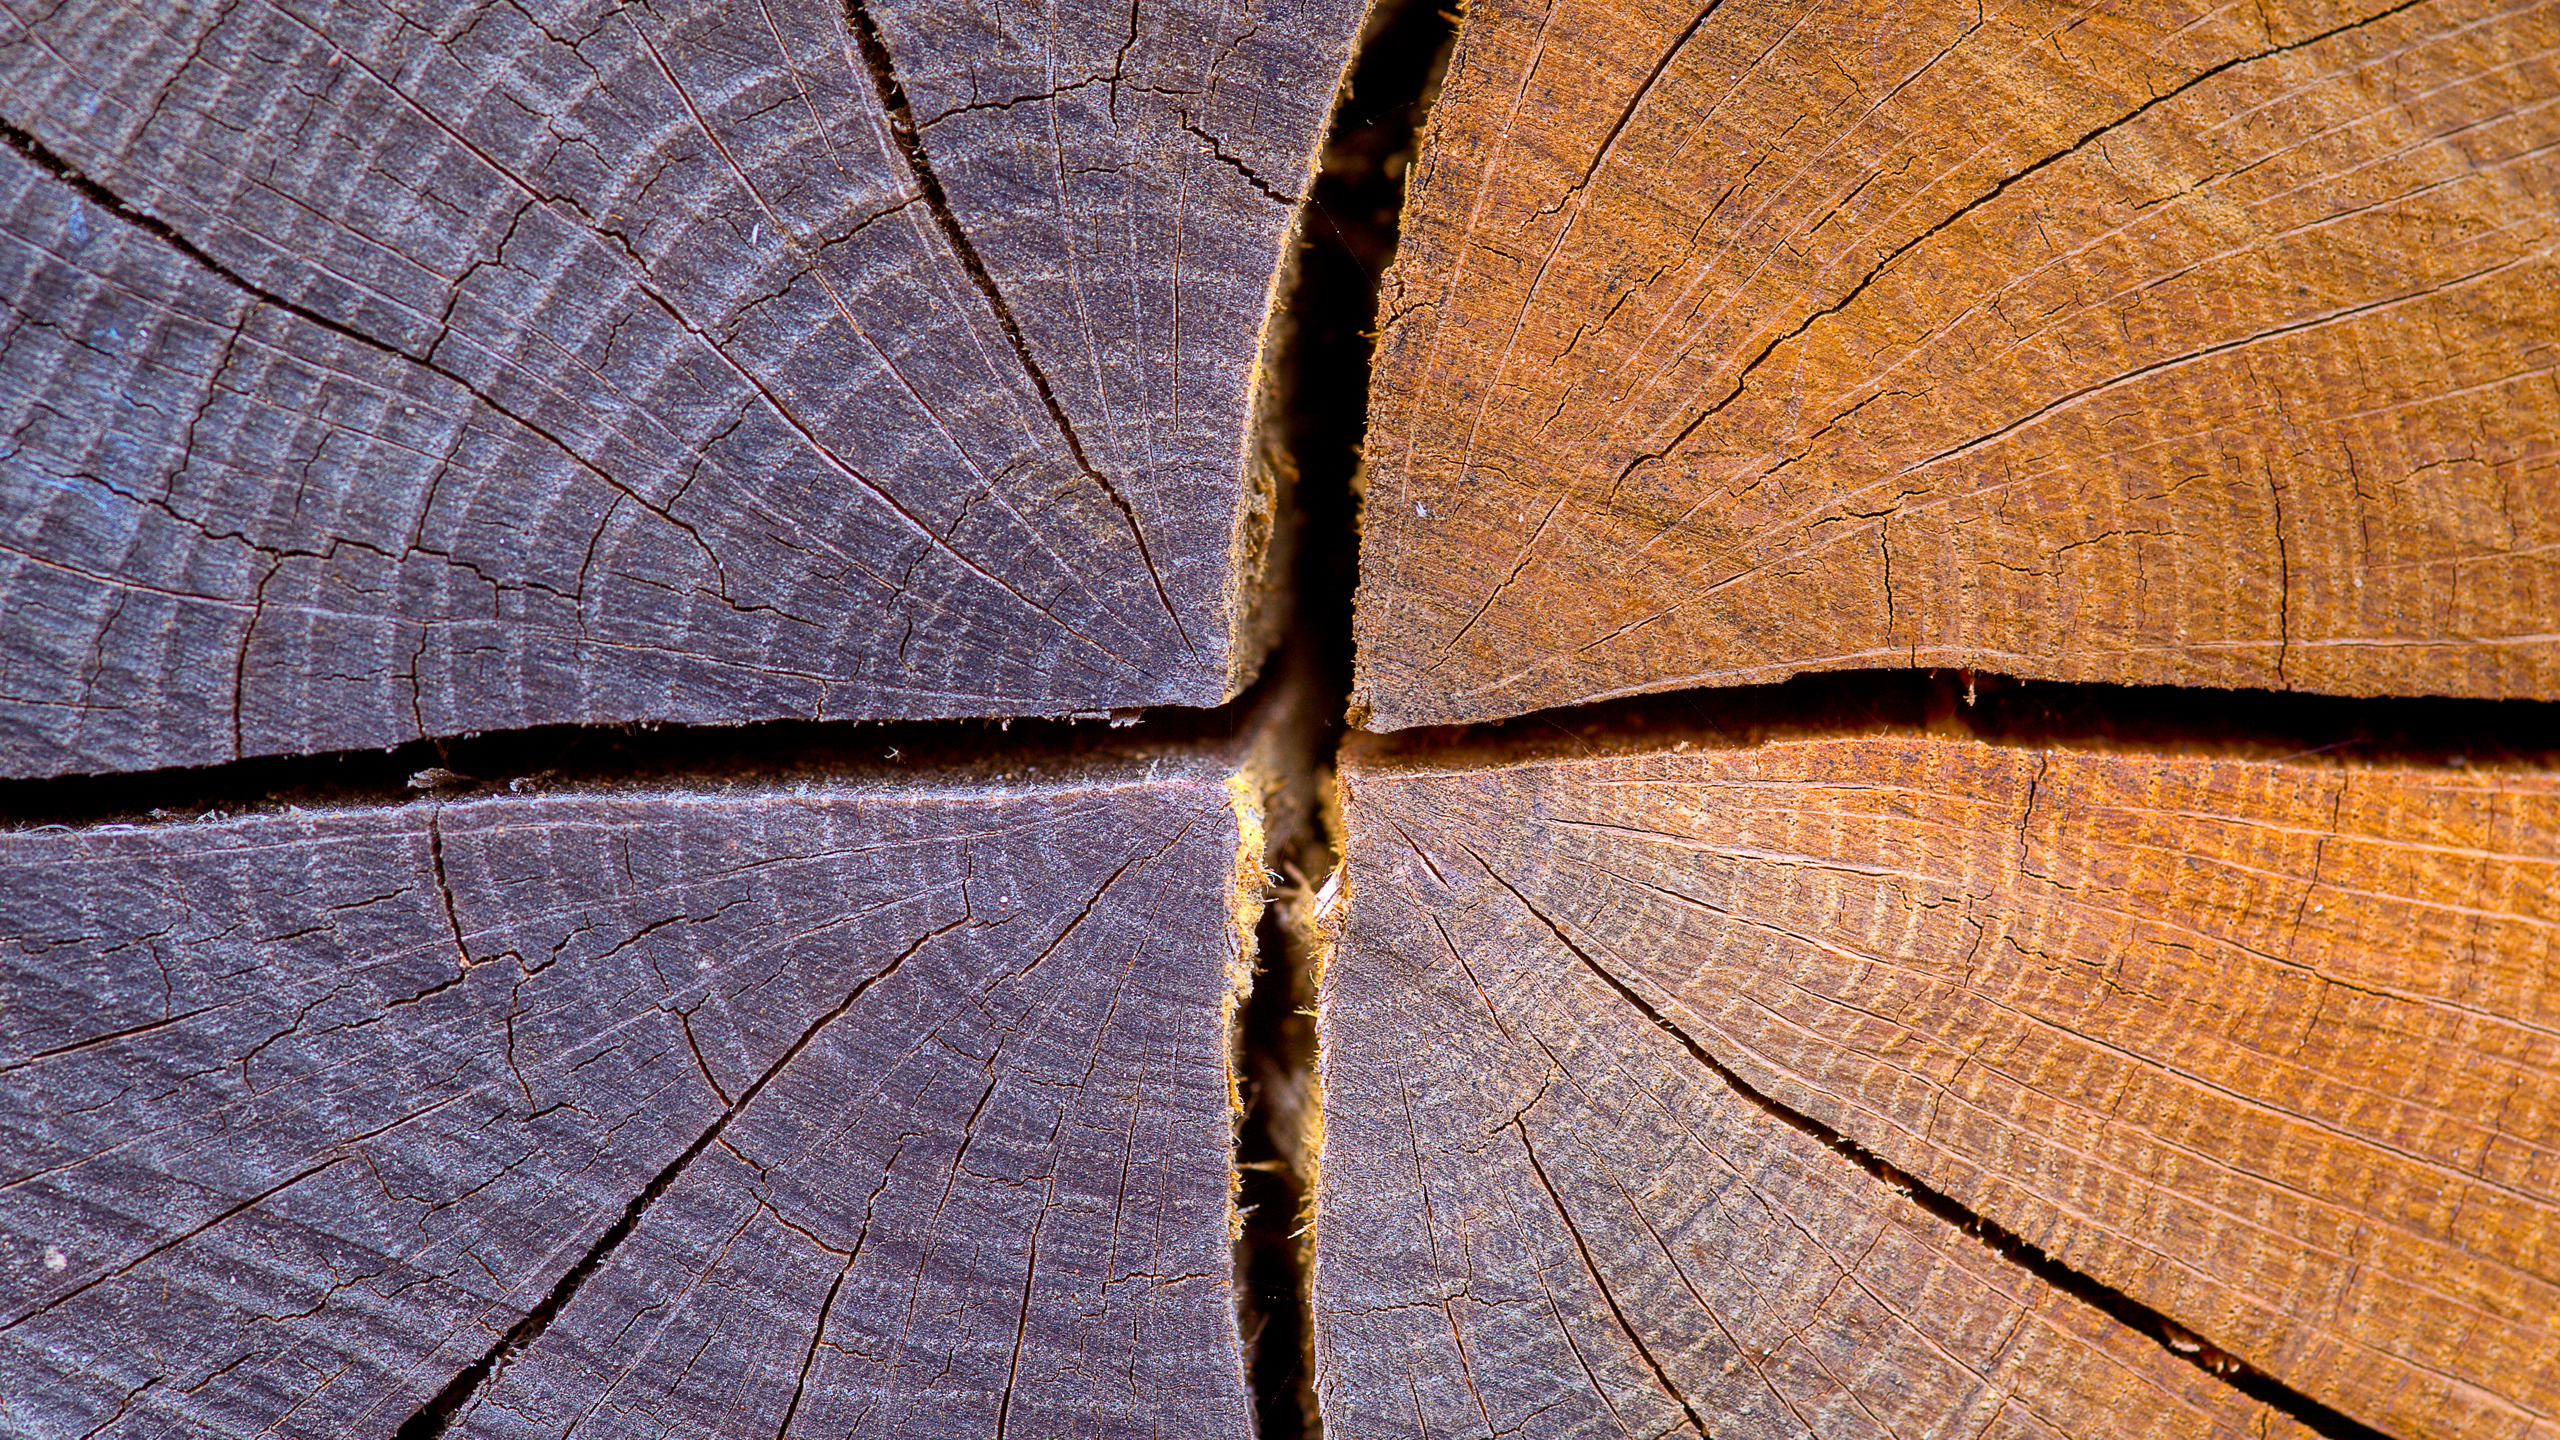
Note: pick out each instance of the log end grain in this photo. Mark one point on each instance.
(375, 377)
(2264, 1048)
(900, 1106)
(1728, 343)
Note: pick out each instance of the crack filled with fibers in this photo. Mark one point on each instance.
(1351, 227)
(1350, 231)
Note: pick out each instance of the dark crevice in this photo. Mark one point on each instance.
(2158, 720)
(437, 1414)
(1275, 1041)
(637, 756)
(2163, 1331)
(1348, 235)
(902, 126)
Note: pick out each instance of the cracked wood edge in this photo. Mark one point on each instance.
(908, 1107)
(2170, 346)
(427, 368)
(2268, 1048)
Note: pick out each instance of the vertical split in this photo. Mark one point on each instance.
(1347, 236)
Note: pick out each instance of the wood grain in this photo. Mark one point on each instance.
(2271, 1048)
(2172, 343)
(904, 1108)
(412, 367)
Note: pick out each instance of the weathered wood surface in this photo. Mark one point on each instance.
(373, 370)
(926, 1090)
(2172, 344)
(2273, 1049)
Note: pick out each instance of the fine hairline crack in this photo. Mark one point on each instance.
(433, 1418)
(910, 141)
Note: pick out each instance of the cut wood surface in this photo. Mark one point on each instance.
(777, 1112)
(2166, 344)
(378, 370)
(2271, 1049)
(1539, 1214)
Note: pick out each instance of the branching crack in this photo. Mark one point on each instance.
(46, 158)
(1876, 271)
(1329, 370)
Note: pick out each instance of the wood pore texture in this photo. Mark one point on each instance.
(2271, 1049)
(2162, 343)
(900, 1108)
(390, 368)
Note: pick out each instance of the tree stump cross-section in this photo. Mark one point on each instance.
(381, 373)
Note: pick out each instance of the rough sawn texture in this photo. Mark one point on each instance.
(375, 370)
(905, 1109)
(1541, 1214)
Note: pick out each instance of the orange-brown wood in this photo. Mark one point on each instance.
(2164, 343)
(2271, 1048)
(1541, 1213)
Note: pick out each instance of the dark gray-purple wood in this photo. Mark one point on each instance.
(375, 370)
(779, 1112)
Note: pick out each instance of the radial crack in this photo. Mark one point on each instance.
(2163, 1331)
(902, 125)
(437, 1414)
